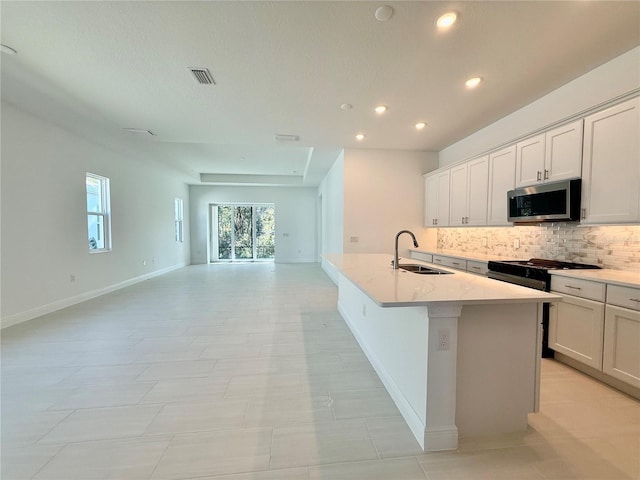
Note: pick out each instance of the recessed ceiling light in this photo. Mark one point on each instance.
(384, 13)
(446, 20)
(420, 125)
(346, 106)
(7, 49)
(360, 137)
(380, 109)
(473, 82)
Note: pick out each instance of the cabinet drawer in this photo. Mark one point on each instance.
(477, 267)
(578, 287)
(451, 262)
(627, 297)
(425, 257)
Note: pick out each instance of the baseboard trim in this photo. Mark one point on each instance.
(414, 422)
(20, 317)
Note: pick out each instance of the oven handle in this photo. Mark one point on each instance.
(517, 280)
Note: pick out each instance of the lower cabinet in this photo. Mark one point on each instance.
(576, 329)
(601, 330)
(621, 357)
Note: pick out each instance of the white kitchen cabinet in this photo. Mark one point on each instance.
(529, 161)
(478, 191)
(477, 267)
(437, 199)
(502, 167)
(551, 156)
(458, 195)
(621, 356)
(425, 257)
(576, 329)
(451, 262)
(611, 165)
(468, 193)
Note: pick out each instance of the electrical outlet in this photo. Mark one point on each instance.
(72, 278)
(443, 339)
(354, 239)
(484, 242)
(516, 243)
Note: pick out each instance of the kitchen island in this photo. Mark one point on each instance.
(458, 353)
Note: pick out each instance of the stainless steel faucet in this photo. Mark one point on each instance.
(415, 244)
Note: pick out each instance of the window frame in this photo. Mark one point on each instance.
(178, 212)
(104, 213)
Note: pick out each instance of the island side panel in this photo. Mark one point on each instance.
(395, 342)
(498, 367)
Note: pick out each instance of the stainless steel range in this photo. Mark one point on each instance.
(533, 273)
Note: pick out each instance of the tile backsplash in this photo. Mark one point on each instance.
(616, 247)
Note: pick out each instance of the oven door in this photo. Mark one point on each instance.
(517, 280)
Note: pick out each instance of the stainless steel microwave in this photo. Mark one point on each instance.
(548, 202)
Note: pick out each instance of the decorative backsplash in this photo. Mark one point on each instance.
(616, 247)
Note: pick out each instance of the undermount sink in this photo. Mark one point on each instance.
(422, 269)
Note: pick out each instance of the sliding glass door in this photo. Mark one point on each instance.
(243, 232)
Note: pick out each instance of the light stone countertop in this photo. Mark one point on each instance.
(606, 275)
(373, 274)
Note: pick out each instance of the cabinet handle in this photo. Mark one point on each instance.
(476, 268)
(546, 174)
(584, 213)
(635, 299)
(462, 221)
(436, 221)
(455, 263)
(539, 176)
(573, 288)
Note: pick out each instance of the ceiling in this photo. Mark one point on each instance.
(287, 67)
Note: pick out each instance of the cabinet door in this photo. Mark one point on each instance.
(622, 345)
(502, 170)
(611, 165)
(442, 219)
(431, 201)
(458, 195)
(576, 329)
(530, 161)
(477, 191)
(563, 157)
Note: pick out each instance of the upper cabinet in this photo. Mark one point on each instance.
(611, 165)
(502, 176)
(468, 193)
(551, 156)
(603, 149)
(436, 199)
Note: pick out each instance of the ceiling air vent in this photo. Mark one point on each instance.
(202, 76)
(280, 138)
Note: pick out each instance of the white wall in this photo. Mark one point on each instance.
(295, 210)
(44, 225)
(331, 205)
(383, 194)
(608, 81)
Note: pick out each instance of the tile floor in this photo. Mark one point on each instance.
(243, 372)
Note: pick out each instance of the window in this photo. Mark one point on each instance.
(243, 232)
(98, 213)
(179, 220)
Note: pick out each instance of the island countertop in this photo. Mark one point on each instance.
(373, 274)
